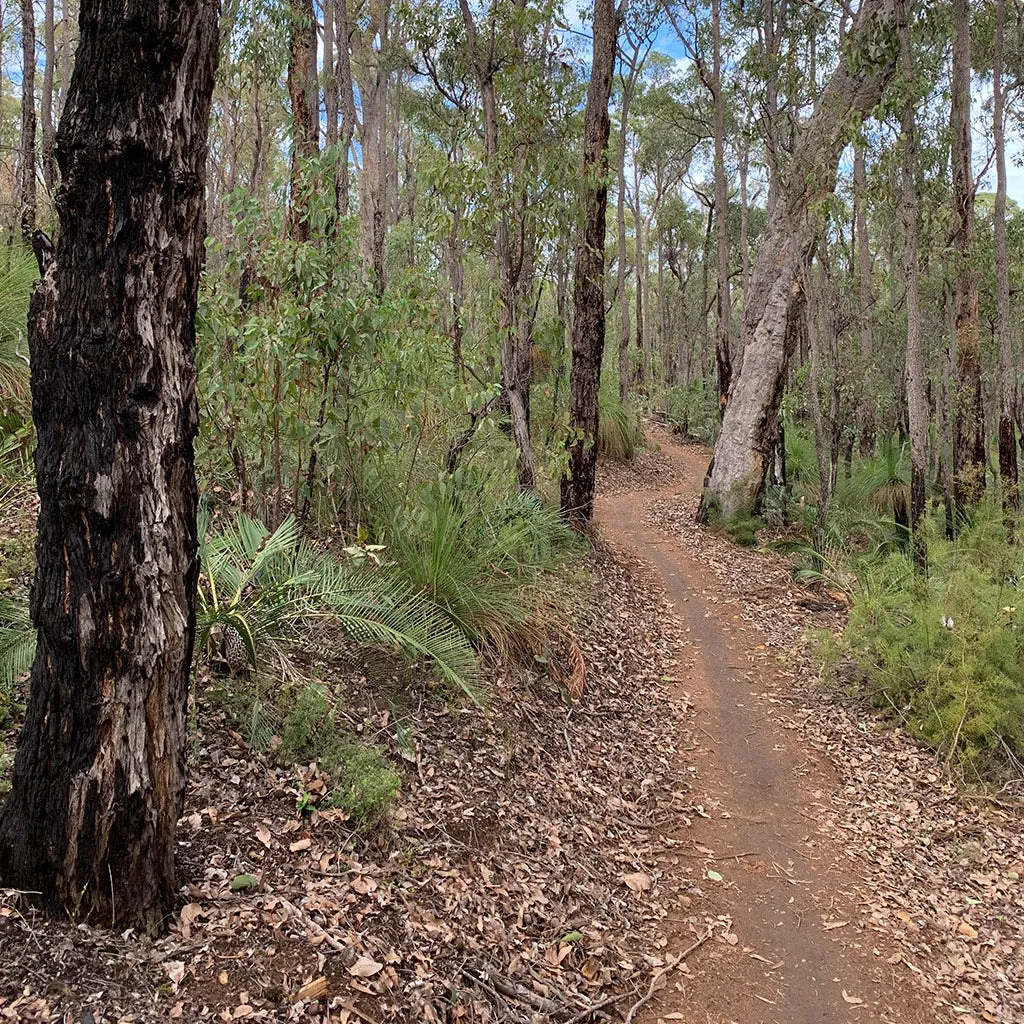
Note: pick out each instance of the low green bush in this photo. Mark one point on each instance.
(945, 652)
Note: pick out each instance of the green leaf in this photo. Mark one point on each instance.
(244, 882)
(715, 876)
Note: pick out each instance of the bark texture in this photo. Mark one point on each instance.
(743, 451)
(917, 398)
(968, 412)
(305, 102)
(46, 107)
(27, 168)
(99, 778)
(1007, 377)
(577, 488)
(864, 300)
(723, 303)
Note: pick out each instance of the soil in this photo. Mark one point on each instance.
(802, 951)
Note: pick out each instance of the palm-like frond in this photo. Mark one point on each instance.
(17, 643)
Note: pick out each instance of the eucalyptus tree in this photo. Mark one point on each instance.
(588, 331)
(99, 778)
(865, 66)
(27, 154)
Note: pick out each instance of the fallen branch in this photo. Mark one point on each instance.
(673, 962)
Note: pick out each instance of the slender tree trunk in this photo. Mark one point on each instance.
(99, 779)
(304, 97)
(743, 451)
(330, 75)
(968, 412)
(577, 487)
(27, 173)
(864, 300)
(348, 104)
(46, 107)
(620, 214)
(723, 304)
(917, 399)
(1007, 376)
(745, 220)
(514, 387)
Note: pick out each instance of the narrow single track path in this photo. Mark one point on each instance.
(804, 952)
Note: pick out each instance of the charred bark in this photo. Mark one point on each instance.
(99, 778)
(577, 487)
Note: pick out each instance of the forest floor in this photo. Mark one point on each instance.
(708, 834)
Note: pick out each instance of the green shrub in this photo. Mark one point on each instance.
(484, 563)
(693, 411)
(363, 782)
(618, 431)
(947, 651)
(744, 529)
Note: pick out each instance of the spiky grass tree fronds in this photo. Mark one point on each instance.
(482, 565)
(17, 649)
(16, 278)
(277, 592)
(883, 482)
(618, 431)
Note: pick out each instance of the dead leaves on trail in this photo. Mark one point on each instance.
(522, 879)
(943, 875)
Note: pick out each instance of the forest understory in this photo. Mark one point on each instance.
(559, 860)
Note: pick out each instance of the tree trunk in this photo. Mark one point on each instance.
(348, 104)
(723, 304)
(46, 107)
(968, 413)
(577, 487)
(27, 171)
(742, 454)
(628, 84)
(515, 388)
(99, 779)
(1007, 377)
(304, 97)
(917, 399)
(864, 301)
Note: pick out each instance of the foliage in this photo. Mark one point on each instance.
(363, 783)
(693, 411)
(482, 561)
(946, 651)
(618, 433)
(279, 593)
(17, 272)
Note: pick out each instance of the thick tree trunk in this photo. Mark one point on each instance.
(304, 96)
(27, 170)
(723, 304)
(99, 779)
(577, 487)
(917, 398)
(1007, 378)
(968, 413)
(864, 300)
(742, 455)
(46, 106)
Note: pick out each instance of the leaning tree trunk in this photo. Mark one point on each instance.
(27, 171)
(723, 303)
(1007, 377)
(743, 451)
(99, 778)
(577, 488)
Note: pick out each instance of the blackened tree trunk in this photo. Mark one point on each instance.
(968, 413)
(577, 488)
(723, 303)
(917, 398)
(1007, 379)
(743, 451)
(99, 778)
(304, 96)
(27, 170)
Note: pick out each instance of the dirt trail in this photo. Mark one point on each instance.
(786, 887)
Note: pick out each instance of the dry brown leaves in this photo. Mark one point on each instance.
(520, 881)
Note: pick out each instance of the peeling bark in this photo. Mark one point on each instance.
(99, 778)
(743, 451)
